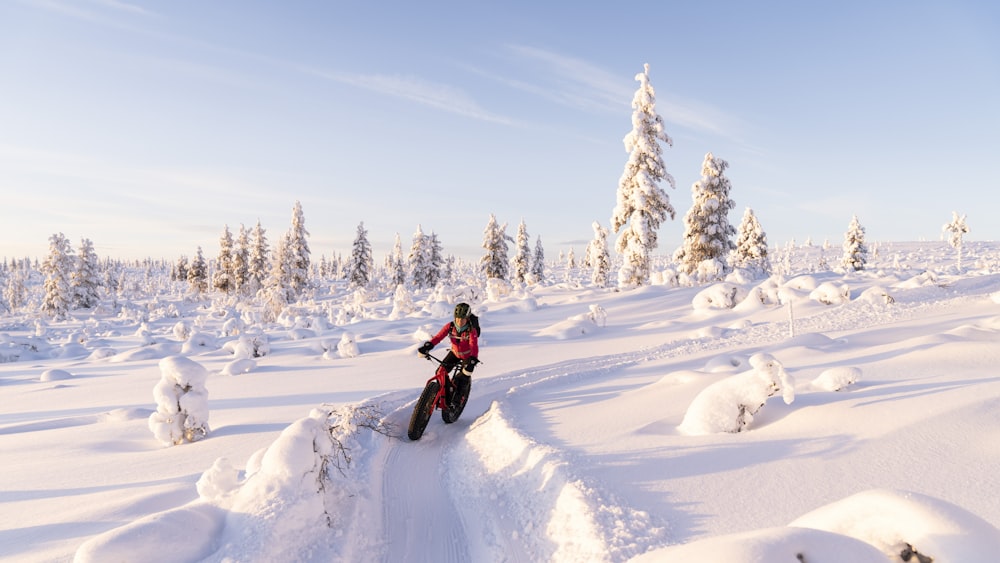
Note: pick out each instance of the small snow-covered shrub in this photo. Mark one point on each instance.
(730, 404)
(876, 295)
(719, 296)
(182, 330)
(199, 342)
(402, 303)
(248, 346)
(598, 315)
(831, 294)
(837, 379)
(181, 402)
(348, 348)
(236, 367)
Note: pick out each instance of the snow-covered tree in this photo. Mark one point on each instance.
(396, 265)
(57, 268)
(278, 285)
(362, 263)
(419, 260)
(641, 204)
(598, 258)
(708, 235)
(750, 254)
(86, 278)
(258, 261)
(198, 273)
(180, 270)
(495, 264)
(956, 230)
(538, 262)
(16, 291)
(855, 250)
(181, 402)
(241, 261)
(298, 252)
(522, 256)
(223, 278)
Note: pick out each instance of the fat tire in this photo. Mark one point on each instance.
(422, 410)
(451, 415)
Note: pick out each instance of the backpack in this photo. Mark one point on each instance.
(474, 322)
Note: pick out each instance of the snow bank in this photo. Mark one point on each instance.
(837, 378)
(896, 521)
(521, 493)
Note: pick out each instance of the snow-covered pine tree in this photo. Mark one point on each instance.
(16, 291)
(298, 248)
(223, 278)
(522, 255)
(57, 268)
(277, 286)
(86, 278)
(180, 270)
(396, 265)
(708, 235)
(641, 204)
(598, 258)
(362, 262)
(258, 262)
(241, 261)
(436, 259)
(419, 260)
(494, 263)
(538, 262)
(750, 254)
(855, 249)
(956, 230)
(198, 274)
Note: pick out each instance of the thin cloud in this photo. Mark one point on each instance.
(438, 96)
(581, 84)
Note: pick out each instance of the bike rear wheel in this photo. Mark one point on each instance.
(422, 410)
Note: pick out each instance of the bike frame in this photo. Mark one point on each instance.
(441, 399)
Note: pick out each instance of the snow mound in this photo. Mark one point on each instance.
(767, 546)
(577, 325)
(729, 405)
(831, 294)
(55, 375)
(547, 514)
(719, 296)
(237, 367)
(837, 379)
(896, 521)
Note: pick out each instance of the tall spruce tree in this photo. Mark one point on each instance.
(396, 264)
(362, 262)
(298, 249)
(494, 263)
(598, 258)
(522, 254)
(419, 260)
(855, 250)
(241, 261)
(86, 278)
(223, 278)
(641, 204)
(57, 268)
(258, 260)
(750, 254)
(707, 231)
(198, 273)
(538, 262)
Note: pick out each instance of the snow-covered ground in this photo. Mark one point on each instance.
(596, 428)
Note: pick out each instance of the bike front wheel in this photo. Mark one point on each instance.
(422, 410)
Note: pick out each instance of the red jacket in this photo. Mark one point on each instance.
(463, 345)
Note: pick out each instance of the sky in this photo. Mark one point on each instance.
(599, 426)
(149, 127)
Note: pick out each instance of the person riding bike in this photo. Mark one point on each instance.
(464, 349)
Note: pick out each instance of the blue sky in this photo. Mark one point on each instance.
(147, 127)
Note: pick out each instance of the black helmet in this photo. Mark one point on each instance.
(462, 311)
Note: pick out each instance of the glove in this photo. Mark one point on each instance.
(469, 365)
(425, 348)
